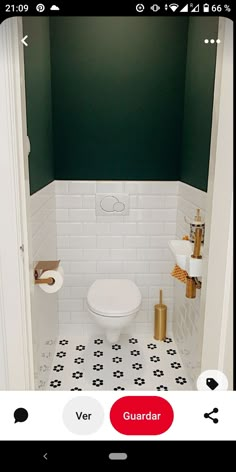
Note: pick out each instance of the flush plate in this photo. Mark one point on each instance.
(112, 204)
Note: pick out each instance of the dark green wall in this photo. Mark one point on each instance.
(118, 94)
(38, 101)
(132, 98)
(199, 89)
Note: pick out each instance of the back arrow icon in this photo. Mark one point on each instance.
(23, 41)
(45, 456)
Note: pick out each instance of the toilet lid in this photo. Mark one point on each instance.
(118, 297)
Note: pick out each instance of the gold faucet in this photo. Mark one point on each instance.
(192, 282)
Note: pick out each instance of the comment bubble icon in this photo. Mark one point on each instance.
(20, 415)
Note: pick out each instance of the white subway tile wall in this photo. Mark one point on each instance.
(133, 246)
(44, 306)
(186, 313)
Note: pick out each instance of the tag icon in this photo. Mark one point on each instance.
(212, 380)
(211, 383)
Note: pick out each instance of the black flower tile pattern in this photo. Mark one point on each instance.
(139, 381)
(154, 359)
(151, 346)
(97, 367)
(175, 365)
(77, 375)
(171, 352)
(118, 374)
(162, 388)
(158, 373)
(117, 360)
(135, 352)
(55, 383)
(61, 354)
(133, 363)
(80, 347)
(97, 382)
(98, 353)
(137, 366)
(181, 380)
(116, 347)
(79, 360)
(58, 368)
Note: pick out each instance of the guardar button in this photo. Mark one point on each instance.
(144, 415)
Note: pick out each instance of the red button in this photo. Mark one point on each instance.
(141, 415)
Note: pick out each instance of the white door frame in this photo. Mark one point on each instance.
(16, 347)
(16, 275)
(217, 290)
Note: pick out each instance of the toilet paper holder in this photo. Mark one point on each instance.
(41, 267)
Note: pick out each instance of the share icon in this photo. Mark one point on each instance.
(208, 415)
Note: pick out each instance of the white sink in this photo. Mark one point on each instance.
(182, 251)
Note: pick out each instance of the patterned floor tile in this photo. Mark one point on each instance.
(134, 363)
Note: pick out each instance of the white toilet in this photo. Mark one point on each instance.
(113, 303)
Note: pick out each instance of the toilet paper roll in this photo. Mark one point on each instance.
(57, 275)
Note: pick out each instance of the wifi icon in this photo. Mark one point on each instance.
(173, 6)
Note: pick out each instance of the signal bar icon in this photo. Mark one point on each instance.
(195, 9)
(185, 9)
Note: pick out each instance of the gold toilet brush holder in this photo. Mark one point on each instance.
(160, 320)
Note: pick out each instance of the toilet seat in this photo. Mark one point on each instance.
(114, 297)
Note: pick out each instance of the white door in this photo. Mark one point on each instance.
(217, 292)
(16, 353)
